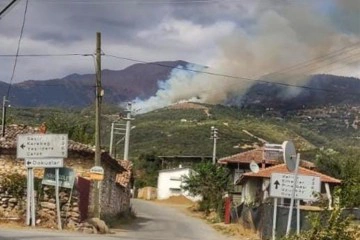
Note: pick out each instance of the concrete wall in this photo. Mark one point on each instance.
(170, 181)
(251, 191)
(147, 193)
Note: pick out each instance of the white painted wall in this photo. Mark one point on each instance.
(170, 181)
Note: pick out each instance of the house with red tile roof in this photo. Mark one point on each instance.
(255, 185)
(264, 156)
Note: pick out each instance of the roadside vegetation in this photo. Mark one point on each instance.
(211, 182)
(330, 142)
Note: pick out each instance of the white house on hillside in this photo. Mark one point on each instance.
(170, 181)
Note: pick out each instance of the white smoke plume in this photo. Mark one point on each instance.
(278, 34)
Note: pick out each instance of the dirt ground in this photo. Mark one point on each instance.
(177, 200)
(12, 224)
(189, 208)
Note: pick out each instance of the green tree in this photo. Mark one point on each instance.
(76, 129)
(344, 165)
(147, 167)
(211, 182)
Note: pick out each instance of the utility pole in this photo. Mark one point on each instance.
(117, 128)
(3, 122)
(99, 94)
(128, 120)
(111, 139)
(214, 136)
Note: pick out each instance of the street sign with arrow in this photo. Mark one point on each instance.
(307, 187)
(44, 163)
(276, 183)
(42, 146)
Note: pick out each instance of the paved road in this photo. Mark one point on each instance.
(154, 222)
(37, 234)
(159, 222)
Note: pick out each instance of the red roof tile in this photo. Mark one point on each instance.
(281, 168)
(258, 155)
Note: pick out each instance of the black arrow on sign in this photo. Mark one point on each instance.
(276, 184)
(22, 146)
(28, 163)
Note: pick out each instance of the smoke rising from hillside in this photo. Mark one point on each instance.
(274, 37)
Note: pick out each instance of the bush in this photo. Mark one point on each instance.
(14, 184)
(328, 225)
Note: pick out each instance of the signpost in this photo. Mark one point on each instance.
(292, 186)
(42, 146)
(44, 163)
(97, 173)
(66, 177)
(281, 185)
(42, 150)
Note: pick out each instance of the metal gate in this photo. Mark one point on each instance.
(83, 188)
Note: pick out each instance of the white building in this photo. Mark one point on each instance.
(170, 181)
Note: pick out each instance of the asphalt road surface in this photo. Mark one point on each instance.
(160, 222)
(154, 222)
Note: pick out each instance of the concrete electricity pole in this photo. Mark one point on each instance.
(99, 95)
(128, 120)
(214, 136)
(117, 128)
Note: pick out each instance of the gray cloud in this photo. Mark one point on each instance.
(217, 33)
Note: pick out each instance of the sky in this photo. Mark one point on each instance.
(244, 38)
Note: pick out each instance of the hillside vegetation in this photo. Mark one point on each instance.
(186, 130)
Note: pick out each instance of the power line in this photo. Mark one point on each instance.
(7, 7)
(47, 55)
(225, 75)
(146, 2)
(310, 62)
(18, 49)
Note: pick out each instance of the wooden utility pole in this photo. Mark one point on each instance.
(3, 120)
(99, 94)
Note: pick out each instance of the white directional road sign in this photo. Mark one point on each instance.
(42, 146)
(44, 162)
(281, 186)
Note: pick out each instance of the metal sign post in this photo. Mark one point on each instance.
(298, 217)
(33, 218)
(57, 198)
(28, 197)
(293, 194)
(274, 219)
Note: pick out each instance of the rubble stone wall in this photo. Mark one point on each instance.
(10, 206)
(116, 197)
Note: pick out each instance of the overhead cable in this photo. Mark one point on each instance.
(18, 49)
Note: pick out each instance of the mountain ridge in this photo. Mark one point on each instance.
(141, 81)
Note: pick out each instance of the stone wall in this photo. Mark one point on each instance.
(69, 208)
(116, 197)
(10, 206)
